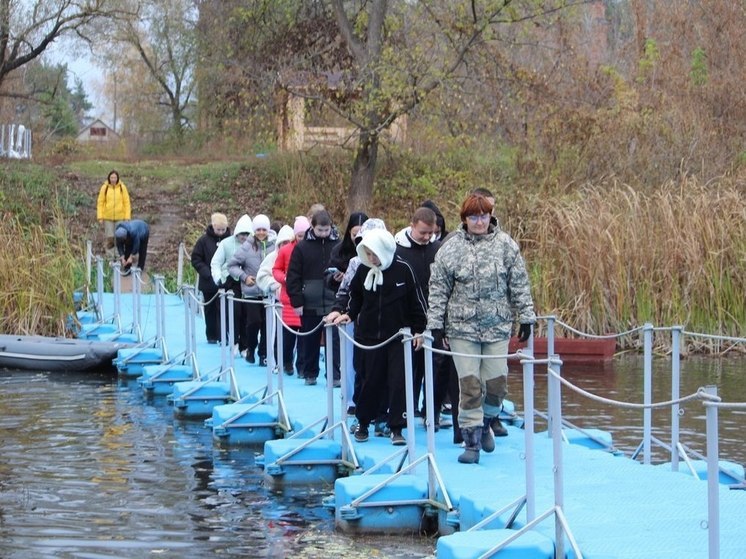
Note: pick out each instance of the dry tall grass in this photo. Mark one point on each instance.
(611, 258)
(37, 277)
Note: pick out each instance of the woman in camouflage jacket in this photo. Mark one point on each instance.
(478, 287)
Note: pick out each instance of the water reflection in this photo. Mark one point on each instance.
(623, 381)
(88, 471)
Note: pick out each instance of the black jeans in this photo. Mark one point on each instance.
(311, 347)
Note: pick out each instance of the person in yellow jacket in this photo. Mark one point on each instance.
(113, 206)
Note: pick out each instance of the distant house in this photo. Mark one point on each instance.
(97, 131)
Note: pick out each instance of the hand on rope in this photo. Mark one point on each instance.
(418, 341)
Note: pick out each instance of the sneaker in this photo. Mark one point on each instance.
(446, 420)
(337, 384)
(212, 341)
(397, 439)
(288, 370)
(250, 357)
(351, 411)
(242, 353)
(310, 381)
(381, 430)
(361, 433)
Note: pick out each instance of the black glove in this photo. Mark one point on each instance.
(524, 332)
(438, 336)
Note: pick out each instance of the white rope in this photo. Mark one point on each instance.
(715, 337)
(593, 336)
(700, 394)
(343, 332)
(293, 330)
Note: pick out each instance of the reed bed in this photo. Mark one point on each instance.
(39, 270)
(609, 259)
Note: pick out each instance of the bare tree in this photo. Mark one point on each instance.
(28, 28)
(161, 33)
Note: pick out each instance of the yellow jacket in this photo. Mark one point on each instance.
(113, 202)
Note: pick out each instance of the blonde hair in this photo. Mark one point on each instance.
(219, 220)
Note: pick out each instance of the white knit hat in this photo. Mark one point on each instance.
(261, 221)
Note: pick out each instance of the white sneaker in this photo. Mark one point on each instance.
(446, 420)
(243, 353)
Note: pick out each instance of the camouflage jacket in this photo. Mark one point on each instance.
(478, 286)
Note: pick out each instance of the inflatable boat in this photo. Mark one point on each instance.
(42, 353)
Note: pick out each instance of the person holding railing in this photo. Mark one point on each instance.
(478, 287)
(384, 297)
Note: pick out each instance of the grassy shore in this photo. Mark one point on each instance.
(603, 257)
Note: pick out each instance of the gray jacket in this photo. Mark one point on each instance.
(246, 261)
(479, 286)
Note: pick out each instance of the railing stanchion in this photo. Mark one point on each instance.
(713, 477)
(528, 405)
(409, 393)
(675, 394)
(647, 413)
(555, 415)
(329, 362)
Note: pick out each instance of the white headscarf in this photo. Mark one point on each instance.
(381, 243)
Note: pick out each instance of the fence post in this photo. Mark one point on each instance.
(528, 433)
(713, 475)
(647, 413)
(180, 267)
(555, 415)
(675, 394)
(409, 393)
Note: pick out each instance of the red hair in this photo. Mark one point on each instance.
(475, 204)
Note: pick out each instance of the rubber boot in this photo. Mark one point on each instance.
(488, 442)
(472, 440)
(498, 428)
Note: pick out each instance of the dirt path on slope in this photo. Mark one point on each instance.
(171, 210)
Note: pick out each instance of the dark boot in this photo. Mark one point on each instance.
(498, 428)
(488, 443)
(472, 440)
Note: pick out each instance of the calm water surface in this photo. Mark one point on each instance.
(89, 469)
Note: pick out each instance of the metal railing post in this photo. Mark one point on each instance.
(231, 330)
(555, 414)
(180, 268)
(409, 393)
(429, 392)
(647, 413)
(329, 363)
(713, 475)
(675, 394)
(100, 287)
(528, 406)
(269, 344)
(187, 321)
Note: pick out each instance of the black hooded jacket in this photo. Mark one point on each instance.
(202, 254)
(306, 275)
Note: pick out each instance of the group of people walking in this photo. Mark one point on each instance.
(468, 288)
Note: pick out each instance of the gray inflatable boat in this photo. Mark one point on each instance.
(42, 353)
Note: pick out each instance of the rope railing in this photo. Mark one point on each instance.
(700, 394)
(588, 334)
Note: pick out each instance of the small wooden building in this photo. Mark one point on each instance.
(97, 132)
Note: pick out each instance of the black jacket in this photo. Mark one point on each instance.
(202, 254)
(419, 257)
(395, 304)
(306, 275)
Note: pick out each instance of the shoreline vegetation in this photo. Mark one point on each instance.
(604, 257)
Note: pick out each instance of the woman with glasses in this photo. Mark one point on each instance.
(478, 288)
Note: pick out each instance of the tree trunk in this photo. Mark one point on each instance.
(363, 173)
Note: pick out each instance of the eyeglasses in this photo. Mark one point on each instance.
(476, 218)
